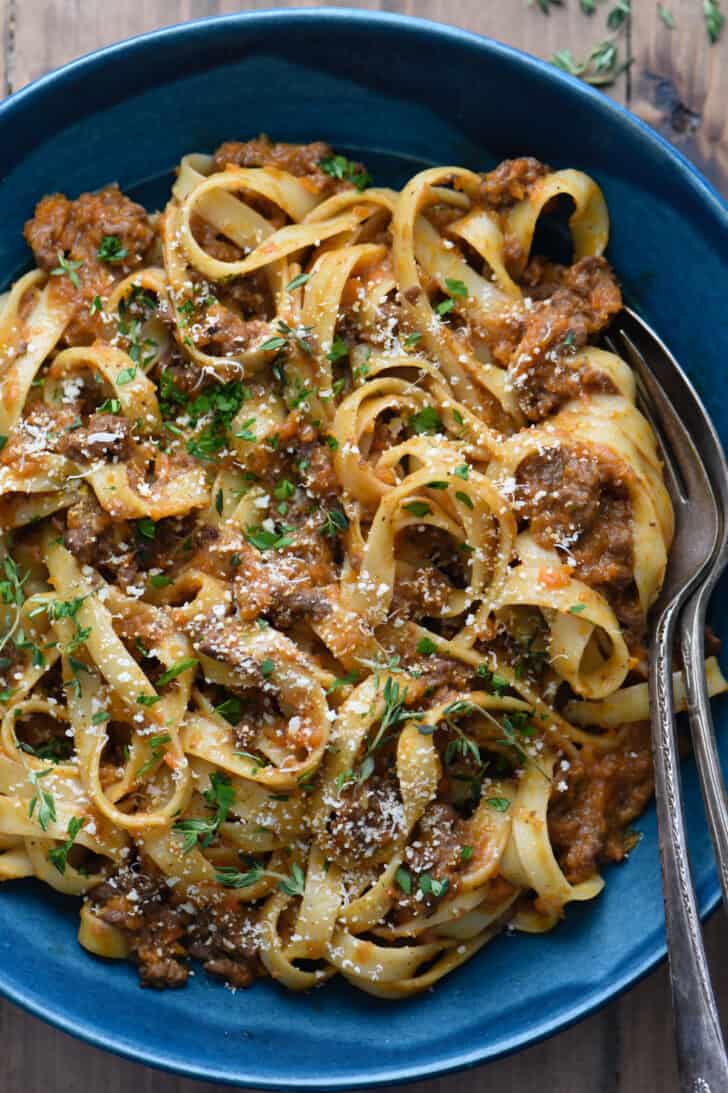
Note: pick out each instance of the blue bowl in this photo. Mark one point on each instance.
(402, 94)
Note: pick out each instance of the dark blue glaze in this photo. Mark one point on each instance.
(404, 94)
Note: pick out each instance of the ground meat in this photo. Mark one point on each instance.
(580, 503)
(367, 816)
(226, 641)
(85, 523)
(159, 948)
(288, 605)
(283, 585)
(425, 591)
(106, 436)
(222, 333)
(543, 376)
(434, 849)
(511, 181)
(76, 230)
(588, 821)
(301, 160)
(318, 475)
(223, 935)
(165, 928)
(136, 900)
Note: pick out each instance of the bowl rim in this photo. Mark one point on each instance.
(74, 73)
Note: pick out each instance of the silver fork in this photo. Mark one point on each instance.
(701, 1054)
(692, 620)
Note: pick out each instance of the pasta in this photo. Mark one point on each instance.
(329, 535)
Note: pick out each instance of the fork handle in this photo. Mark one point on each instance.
(692, 642)
(701, 1056)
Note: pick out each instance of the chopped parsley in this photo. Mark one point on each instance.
(339, 350)
(417, 508)
(335, 521)
(158, 746)
(426, 420)
(342, 168)
(112, 250)
(46, 806)
(177, 670)
(221, 797)
(58, 856)
(403, 879)
(263, 539)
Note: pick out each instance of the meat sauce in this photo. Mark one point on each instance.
(572, 499)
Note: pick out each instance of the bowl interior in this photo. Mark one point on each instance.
(401, 95)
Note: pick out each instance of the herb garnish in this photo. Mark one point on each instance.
(46, 813)
(58, 855)
(112, 250)
(342, 168)
(67, 267)
(221, 797)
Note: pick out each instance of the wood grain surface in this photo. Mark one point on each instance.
(679, 84)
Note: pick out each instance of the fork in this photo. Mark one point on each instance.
(692, 621)
(701, 1054)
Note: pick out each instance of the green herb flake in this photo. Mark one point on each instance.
(297, 282)
(417, 508)
(46, 806)
(146, 527)
(426, 420)
(403, 879)
(58, 855)
(339, 350)
(112, 250)
(125, 376)
(67, 268)
(262, 539)
(295, 884)
(177, 670)
(343, 169)
(456, 288)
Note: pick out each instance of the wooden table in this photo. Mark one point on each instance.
(679, 84)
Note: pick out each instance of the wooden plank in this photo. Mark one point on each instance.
(46, 37)
(680, 84)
